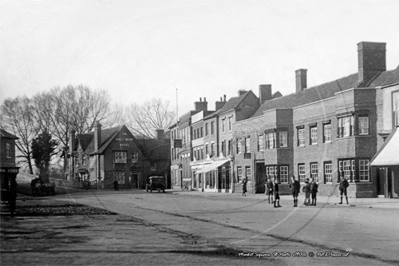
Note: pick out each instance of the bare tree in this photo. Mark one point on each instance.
(18, 119)
(143, 119)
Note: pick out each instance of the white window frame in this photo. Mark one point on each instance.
(260, 143)
(283, 138)
(8, 150)
(313, 135)
(230, 118)
(327, 133)
(248, 171)
(301, 137)
(328, 170)
(364, 170)
(363, 122)
(120, 156)
(314, 171)
(302, 173)
(223, 124)
(284, 174)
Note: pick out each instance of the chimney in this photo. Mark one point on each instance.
(224, 97)
(201, 105)
(97, 136)
(241, 92)
(371, 61)
(265, 93)
(219, 104)
(160, 134)
(300, 79)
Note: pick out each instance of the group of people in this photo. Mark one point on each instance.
(310, 189)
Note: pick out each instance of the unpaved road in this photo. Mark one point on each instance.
(184, 229)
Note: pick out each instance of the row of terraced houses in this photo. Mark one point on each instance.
(343, 128)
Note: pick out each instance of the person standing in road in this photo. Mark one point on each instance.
(269, 190)
(343, 185)
(116, 185)
(295, 187)
(313, 190)
(244, 187)
(276, 193)
(306, 190)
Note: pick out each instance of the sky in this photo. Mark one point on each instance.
(186, 49)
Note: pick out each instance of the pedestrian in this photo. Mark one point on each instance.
(116, 185)
(306, 190)
(244, 187)
(313, 190)
(269, 190)
(276, 193)
(343, 185)
(295, 187)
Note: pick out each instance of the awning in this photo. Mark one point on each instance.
(388, 154)
(212, 166)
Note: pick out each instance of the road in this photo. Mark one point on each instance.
(197, 228)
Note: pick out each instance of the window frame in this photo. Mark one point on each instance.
(301, 137)
(284, 173)
(328, 173)
(122, 160)
(361, 126)
(313, 135)
(301, 174)
(8, 150)
(362, 171)
(282, 140)
(314, 171)
(327, 137)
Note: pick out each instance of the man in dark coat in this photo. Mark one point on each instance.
(313, 191)
(269, 190)
(295, 187)
(306, 190)
(343, 185)
(276, 193)
(244, 187)
(116, 185)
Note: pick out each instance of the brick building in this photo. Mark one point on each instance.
(324, 132)
(106, 155)
(8, 168)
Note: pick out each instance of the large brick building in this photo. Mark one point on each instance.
(324, 132)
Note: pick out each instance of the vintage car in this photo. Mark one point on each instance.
(156, 183)
(39, 188)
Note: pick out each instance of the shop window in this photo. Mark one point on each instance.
(120, 157)
(327, 133)
(283, 138)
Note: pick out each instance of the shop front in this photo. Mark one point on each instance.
(216, 176)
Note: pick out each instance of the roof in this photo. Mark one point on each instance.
(153, 148)
(232, 103)
(6, 135)
(325, 91)
(386, 78)
(312, 94)
(87, 140)
(390, 147)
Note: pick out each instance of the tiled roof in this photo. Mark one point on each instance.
(85, 139)
(232, 103)
(106, 137)
(5, 134)
(313, 94)
(386, 78)
(154, 149)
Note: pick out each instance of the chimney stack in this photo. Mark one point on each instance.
(371, 61)
(224, 97)
(97, 136)
(201, 105)
(300, 79)
(219, 104)
(160, 134)
(265, 93)
(241, 92)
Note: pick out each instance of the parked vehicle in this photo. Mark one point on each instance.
(156, 183)
(40, 188)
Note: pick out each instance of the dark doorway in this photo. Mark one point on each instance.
(381, 176)
(260, 177)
